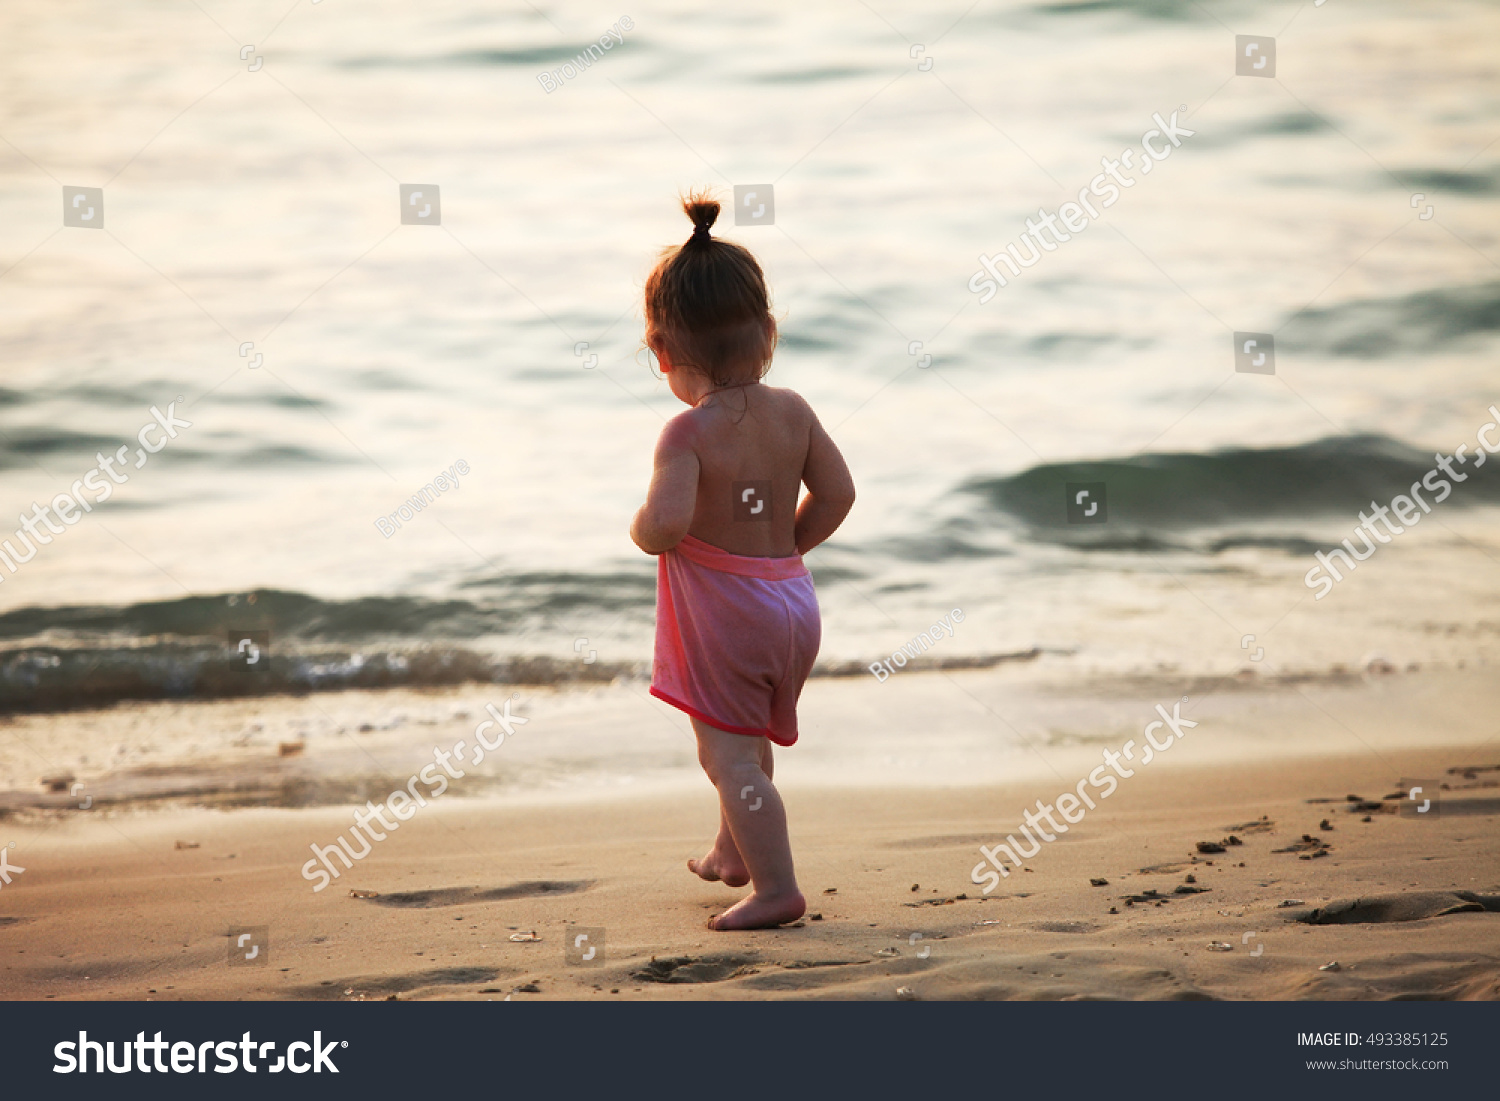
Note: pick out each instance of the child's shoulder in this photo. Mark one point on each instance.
(789, 400)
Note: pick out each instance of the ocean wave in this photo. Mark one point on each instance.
(289, 615)
(57, 678)
(523, 56)
(1455, 180)
(811, 76)
(502, 606)
(1410, 324)
(1287, 123)
(49, 679)
(46, 678)
(19, 447)
(1230, 489)
(1178, 10)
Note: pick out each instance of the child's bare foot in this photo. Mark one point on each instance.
(760, 913)
(716, 868)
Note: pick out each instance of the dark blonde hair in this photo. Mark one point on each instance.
(707, 304)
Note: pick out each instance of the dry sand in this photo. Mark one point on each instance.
(110, 907)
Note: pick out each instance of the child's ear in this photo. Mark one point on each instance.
(658, 348)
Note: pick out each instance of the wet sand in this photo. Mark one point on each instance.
(136, 896)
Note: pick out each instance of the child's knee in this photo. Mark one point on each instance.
(731, 773)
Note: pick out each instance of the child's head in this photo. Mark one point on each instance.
(707, 309)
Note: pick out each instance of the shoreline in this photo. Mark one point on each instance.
(111, 906)
(921, 728)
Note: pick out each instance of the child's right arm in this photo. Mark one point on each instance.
(671, 501)
(830, 490)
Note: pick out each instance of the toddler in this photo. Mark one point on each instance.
(737, 624)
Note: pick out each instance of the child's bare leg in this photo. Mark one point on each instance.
(723, 862)
(738, 766)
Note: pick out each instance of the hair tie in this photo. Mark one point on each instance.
(700, 233)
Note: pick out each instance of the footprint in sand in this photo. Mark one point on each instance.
(691, 969)
(1415, 906)
(383, 986)
(458, 896)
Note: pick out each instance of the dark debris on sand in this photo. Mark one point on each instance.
(1219, 846)
(1263, 824)
(1308, 848)
(1155, 896)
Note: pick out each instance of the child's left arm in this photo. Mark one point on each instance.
(664, 519)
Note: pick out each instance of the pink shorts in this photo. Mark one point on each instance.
(735, 638)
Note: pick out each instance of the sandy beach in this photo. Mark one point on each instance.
(583, 820)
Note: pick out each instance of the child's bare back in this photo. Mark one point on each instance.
(743, 454)
(751, 443)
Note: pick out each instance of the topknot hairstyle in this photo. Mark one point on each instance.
(707, 304)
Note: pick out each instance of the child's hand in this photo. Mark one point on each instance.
(673, 497)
